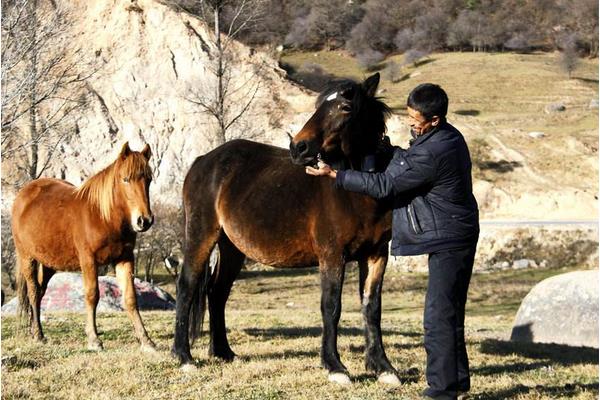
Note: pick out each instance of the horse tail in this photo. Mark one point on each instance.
(23, 306)
(198, 308)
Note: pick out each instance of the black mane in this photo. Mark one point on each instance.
(369, 115)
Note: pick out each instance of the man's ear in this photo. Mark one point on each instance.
(370, 84)
(435, 121)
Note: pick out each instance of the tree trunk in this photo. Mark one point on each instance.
(33, 60)
(221, 138)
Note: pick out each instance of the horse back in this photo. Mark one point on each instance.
(53, 226)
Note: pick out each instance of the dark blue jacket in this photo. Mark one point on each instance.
(434, 206)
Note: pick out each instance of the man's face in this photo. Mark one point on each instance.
(418, 123)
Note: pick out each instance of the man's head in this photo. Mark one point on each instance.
(427, 107)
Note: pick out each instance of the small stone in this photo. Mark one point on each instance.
(520, 264)
(555, 107)
(505, 265)
(536, 134)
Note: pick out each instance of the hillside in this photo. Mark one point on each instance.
(496, 100)
(150, 59)
(146, 62)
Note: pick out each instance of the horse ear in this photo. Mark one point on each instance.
(146, 152)
(125, 150)
(370, 84)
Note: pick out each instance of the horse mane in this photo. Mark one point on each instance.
(371, 112)
(98, 190)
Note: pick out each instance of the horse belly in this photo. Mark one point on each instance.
(55, 252)
(274, 250)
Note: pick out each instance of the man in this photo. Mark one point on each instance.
(434, 213)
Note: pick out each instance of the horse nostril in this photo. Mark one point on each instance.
(302, 147)
(140, 222)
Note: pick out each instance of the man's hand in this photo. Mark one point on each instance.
(322, 170)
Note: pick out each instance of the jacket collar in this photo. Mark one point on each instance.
(422, 138)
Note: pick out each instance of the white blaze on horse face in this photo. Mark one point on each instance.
(332, 96)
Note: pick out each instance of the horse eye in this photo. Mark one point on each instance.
(346, 108)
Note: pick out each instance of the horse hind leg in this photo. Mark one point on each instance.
(29, 295)
(44, 275)
(201, 237)
(229, 265)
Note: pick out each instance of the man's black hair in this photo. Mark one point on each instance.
(430, 100)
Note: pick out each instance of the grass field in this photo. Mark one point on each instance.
(275, 326)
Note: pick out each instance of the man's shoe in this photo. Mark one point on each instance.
(459, 396)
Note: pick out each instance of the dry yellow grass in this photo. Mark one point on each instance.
(275, 326)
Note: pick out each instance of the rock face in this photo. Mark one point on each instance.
(149, 61)
(65, 293)
(562, 309)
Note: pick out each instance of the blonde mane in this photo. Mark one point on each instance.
(98, 190)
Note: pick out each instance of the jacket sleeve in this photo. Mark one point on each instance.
(406, 171)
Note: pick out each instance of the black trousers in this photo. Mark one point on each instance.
(444, 322)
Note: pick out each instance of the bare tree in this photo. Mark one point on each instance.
(41, 83)
(569, 59)
(392, 72)
(369, 59)
(225, 99)
(326, 24)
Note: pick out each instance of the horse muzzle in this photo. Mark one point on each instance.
(142, 224)
(304, 153)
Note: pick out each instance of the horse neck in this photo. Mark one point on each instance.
(101, 198)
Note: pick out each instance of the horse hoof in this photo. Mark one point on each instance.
(95, 346)
(389, 378)
(340, 378)
(188, 367)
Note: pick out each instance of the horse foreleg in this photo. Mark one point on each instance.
(92, 295)
(332, 278)
(124, 271)
(371, 281)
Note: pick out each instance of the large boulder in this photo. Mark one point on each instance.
(562, 309)
(65, 293)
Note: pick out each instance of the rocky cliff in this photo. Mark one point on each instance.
(148, 61)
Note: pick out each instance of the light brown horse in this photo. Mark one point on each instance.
(57, 227)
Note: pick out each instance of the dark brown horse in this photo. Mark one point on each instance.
(57, 227)
(251, 201)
